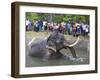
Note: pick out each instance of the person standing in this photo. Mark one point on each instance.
(56, 27)
(44, 25)
(40, 25)
(74, 29)
(27, 24)
(36, 26)
(78, 29)
(86, 30)
(30, 25)
(83, 28)
(68, 27)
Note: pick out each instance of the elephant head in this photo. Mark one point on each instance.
(58, 41)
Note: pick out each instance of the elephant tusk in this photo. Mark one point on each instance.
(45, 38)
(30, 42)
(53, 49)
(74, 43)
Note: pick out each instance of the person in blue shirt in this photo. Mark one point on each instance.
(30, 25)
(78, 30)
(68, 27)
(40, 25)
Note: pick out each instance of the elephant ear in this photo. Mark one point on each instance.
(71, 44)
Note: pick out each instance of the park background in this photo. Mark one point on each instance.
(5, 40)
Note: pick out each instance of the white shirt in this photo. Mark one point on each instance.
(44, 23)
(56, 27)
(86, 29)
(27, 22)
(83, 26)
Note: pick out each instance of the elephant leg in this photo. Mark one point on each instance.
(73, 52)
(58, 54)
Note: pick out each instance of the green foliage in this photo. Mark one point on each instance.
(57, 17)
(31, 15)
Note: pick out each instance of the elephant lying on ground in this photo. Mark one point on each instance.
(50, 47)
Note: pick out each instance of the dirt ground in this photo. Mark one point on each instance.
(82, 51)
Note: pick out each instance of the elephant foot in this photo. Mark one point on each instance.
(52, 56)
(79, 59)
(57, 55)
(73, 52)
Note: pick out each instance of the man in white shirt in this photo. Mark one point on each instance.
(27, 24)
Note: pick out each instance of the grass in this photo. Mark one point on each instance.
(44, 34)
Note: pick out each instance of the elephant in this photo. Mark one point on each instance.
(50, 47)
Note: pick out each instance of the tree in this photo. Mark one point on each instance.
(57, 17)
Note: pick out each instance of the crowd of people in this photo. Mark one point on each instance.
(70, 28)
